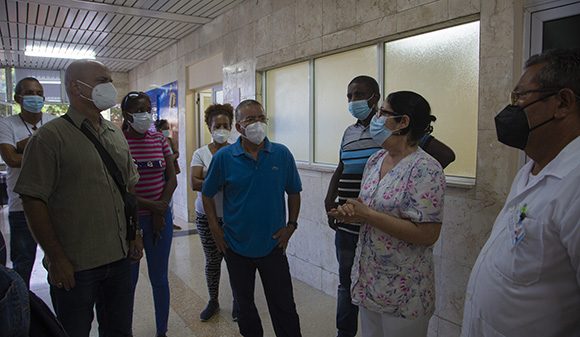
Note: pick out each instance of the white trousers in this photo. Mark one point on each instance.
(374, 324)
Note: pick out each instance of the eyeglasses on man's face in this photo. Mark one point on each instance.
(253, 119)
(518, 96)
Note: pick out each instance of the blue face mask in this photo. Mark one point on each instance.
(33, 103)
(360, 109)
(379, 132)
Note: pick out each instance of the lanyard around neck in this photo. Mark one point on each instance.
(33, 127)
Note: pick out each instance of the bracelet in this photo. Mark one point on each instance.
(293, 223)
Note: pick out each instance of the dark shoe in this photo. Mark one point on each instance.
(210, 310)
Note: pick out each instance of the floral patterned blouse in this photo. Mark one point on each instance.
(390, 275)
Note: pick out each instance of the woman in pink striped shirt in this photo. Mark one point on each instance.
(154, 190)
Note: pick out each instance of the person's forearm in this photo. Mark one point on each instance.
(41, 227)
(210, 211)
(196, 184)
(332, 192)
(402, 229)
(15, 161)
(293, 207)
(169, 188)
(171, 183)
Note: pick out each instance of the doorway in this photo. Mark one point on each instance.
(198, 134)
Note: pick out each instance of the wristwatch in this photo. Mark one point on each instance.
(139, 232)
(293, 223)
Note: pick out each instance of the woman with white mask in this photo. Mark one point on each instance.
(157, 182)
(400, 209)
(218, 119)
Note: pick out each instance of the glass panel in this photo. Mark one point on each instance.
(331, 77)
(287, 99)
(442, 66)
(559, 33)
(3, 97)
(50, 80)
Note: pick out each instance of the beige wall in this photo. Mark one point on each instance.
(261, 34)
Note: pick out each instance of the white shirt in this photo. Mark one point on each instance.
(531, 287)
(12, 130)
(202, 157)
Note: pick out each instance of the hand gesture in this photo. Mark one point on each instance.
(61, 273)
(330, 205)
(136, 248)
(158, 226)
(158, 207)
(353, 211)
(283, 236)
(218, 237)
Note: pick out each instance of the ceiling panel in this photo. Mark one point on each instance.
(123, 33)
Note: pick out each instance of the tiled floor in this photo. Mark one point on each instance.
(189, 296)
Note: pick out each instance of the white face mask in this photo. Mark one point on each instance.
(220, 136)
(141, 121)
(103, 96)
(255, 132)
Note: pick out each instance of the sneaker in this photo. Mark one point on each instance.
(235, 311)
(210, 310)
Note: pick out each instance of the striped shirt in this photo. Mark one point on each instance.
(149, 155)
(356, 147)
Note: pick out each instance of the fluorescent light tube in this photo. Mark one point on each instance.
(62, 53)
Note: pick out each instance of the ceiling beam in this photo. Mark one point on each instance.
(122, 10)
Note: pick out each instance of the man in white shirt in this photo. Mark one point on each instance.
(526, 281)
(14, 134)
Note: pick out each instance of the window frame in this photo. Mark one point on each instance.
(452, 180)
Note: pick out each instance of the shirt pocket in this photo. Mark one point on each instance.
(521, 263)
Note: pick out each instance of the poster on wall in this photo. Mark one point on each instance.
(164, 106)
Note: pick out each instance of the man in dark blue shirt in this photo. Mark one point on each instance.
(254, 175)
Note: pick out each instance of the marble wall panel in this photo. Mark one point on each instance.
(421, 16)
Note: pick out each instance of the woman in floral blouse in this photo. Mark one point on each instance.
(400, 208)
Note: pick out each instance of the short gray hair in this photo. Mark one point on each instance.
(561, 69)
(245, 103)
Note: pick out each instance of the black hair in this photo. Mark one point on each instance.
(18, 87)
(561, 69)
(245, 103)
(417, 108)
(132, 97)
(216, 110)
(160, 123)
(370, 82)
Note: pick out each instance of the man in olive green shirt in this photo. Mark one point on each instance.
(75, 210)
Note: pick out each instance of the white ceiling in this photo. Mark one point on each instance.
(123, 33)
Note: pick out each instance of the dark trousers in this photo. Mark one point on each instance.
(275, 274)
(22, 246)
(109, 288)
(346, 312)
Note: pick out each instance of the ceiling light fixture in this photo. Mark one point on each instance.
(61, 53)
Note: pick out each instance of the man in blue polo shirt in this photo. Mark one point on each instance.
(255, 174)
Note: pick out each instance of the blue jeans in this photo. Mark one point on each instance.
(277, 283)
(346, 312)
(107, 286)
(14, 308)
(157, 255)
(22, 246)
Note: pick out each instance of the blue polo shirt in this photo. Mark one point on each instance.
(253, 190)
